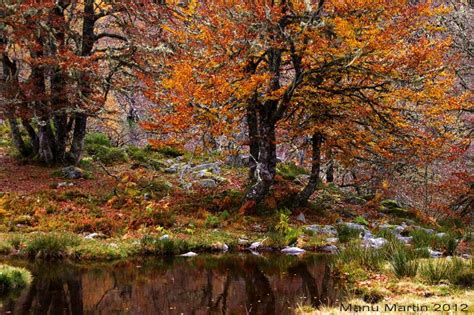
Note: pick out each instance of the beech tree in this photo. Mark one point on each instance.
(50, 80)
(259, 60)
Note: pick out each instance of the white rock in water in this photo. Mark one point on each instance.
(189, 254)
(255, 245)
(292, 250)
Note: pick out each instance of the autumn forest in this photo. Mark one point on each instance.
(329, 139)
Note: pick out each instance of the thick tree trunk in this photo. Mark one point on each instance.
(77, 146)
(32, 134)
(252, 124)
(314, 178)
(46, 143)
(60, 124)
(16, 137)
(266, 166)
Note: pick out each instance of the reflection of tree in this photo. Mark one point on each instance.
(232, 285)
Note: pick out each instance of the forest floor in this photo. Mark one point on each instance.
(147, 205)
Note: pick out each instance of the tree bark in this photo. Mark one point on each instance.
(46, 143)
(266, 165)
(252, 125)
(32, 134)
(314, 178)
(16, 137)
(77, 146)
(330, 169)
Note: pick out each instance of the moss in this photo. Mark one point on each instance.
(13, 278)
(167, 151)
(5, 247)
(290, 171)
(100, 250)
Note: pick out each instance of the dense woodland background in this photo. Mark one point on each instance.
(373, 96)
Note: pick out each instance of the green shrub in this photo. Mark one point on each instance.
(212, 221)
(290, 171)
(168, 151)
(155, 245)
(464, 278)
(137, 154)
(436, 270)
(403, 262)
(361, 220)
(5, 247)
(51, 246)
(112, 156)
(97, 138)
(346, 233)
(13, 278)
(372, 259)
(422, 238)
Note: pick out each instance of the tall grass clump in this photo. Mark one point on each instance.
(455, 270)
(370, 258)
(51, 246)
(346, 233)
(13, 278)
(404, 263)
(156, 246)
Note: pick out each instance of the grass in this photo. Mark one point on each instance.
(455, 270)
(51, 246)
(369, 258)
(13, 278)
(346, 233)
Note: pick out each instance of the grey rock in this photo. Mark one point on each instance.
(71, 172)
(355, 226)
(374, 242)
(239, 160)
(94, 236)
(164, 237)
(404, 239)
(332, 249)
(332, 240)
(434, 253)
(300, 217)
(440, 235)
(255, 245)
(173, 169)
(292, 250)
(210, 167)
(322, 229)
(189, 254)
(466, 256)
(207, 183)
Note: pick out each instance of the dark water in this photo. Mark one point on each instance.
(228, 284)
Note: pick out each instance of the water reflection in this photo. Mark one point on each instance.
(229, 284)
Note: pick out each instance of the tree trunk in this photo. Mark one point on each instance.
(32, 134)
(266, 165)
(46, 143)
(60, 124)
(252, 124)
(314, 178)
(77, 146)
(16, 137)
(330, 169)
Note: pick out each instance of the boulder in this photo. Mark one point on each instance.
(434, 253)
(292, 250)
(189, 254)
(322, 229)
(210, 167)
(207, 183)
(238, 160)
(255, 245)
(71, 172)
(372, 242)
(221, 247)
(331, 249)
(300, 217)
